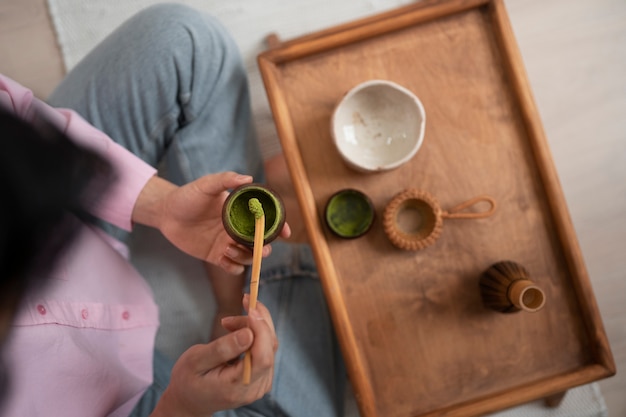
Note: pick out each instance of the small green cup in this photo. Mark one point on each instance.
(239, 221)
(349, 213)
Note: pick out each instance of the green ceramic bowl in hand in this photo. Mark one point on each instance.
(239, 221)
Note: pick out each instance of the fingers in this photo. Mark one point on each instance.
(235, 257)
(238, 254)
(265, 315)
(259, 320)
(286, 232)
(231, 267)
(264, 346)
(234, 323)
(221, 350)
(216, 183)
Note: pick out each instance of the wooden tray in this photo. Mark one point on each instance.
(416, 338)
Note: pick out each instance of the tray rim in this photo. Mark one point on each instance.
(383, 23)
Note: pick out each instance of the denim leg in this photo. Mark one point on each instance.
(169, 84)
(309, 374)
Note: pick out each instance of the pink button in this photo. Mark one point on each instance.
(84, 313)
(126, 315)
(41, 309)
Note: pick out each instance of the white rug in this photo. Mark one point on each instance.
(80, 25)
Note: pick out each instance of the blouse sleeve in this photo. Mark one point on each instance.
(131, 173)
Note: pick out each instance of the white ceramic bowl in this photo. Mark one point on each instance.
(378, 125)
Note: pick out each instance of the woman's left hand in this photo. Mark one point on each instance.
(191, 218)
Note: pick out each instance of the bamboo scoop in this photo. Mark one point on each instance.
(259, 230)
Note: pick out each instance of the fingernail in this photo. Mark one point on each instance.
(255, 314)
(231, 252)
(224, 264)
(243, 337)
(242, 177)
(226, 320)
(246, 298)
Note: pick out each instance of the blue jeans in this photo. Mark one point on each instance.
(169, 85)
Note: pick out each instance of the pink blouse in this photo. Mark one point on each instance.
(84, 346)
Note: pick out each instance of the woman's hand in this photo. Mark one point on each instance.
(191, 218)
(205, 381)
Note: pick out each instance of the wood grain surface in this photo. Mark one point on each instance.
(417, 339)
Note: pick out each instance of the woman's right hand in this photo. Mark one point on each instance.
(204, 380)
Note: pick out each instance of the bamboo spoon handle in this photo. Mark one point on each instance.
(257, 256)
(259, 231)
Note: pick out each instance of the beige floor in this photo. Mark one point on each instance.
(575, 54)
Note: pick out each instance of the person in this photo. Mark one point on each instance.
(169, 86)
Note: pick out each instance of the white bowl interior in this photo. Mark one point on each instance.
(378, 125)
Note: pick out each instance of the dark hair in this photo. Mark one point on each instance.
(47, 183)
(44, 179)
